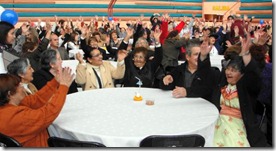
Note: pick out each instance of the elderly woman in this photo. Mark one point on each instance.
(51, 63)
(140, 66)
(96, 73)
(22, 68)
(235, 97)
(26, 118)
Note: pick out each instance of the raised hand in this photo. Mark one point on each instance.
(65, 76)
(25, 29)
(122, 54)
(129, 31)
(157, 34)
(228, 43)
(107, 40)
(84, 30)
(205, 49)
(48, 25)
(245, 42)
(79, 57)
(260, 37)
(224, 25)
(167, 79)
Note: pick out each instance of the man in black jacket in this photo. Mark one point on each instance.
(195, 77)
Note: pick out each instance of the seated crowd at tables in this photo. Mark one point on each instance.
(35, 86)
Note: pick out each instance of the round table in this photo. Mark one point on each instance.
(111, 116)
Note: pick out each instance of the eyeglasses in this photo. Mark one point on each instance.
(97, 55)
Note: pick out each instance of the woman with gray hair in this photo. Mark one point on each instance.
(50, 63)
(22, 68)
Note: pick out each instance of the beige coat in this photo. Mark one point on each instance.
(86, 77)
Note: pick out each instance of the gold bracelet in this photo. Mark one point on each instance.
(244, 54)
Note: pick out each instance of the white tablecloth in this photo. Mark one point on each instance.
(110, 116)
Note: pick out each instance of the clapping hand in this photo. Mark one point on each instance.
(65, 76)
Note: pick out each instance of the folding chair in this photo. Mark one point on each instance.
(62, 142)
(193, 140)
(6, 141)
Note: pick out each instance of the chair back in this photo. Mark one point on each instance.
(62, 142)
(193, 140)
(6, 141)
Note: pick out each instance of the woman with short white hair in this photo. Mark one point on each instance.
(22, 68)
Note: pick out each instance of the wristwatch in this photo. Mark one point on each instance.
(157, 43)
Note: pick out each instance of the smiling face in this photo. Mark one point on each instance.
(139, 59)
(233, 75)
(97, 58)
(114, 36)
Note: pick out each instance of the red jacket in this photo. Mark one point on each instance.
(165, 32)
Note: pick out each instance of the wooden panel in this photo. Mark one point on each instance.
(156, 3)
(123, 10)
(190, 11)
(255, 4)
(5, 1)
(255, 12)
(32, 2)
(93, 2)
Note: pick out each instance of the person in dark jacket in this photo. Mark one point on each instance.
(235, 97)
(34, 54)
(259, 52)
(139, 66)
(195, 77)
(50, 62)
(171, 48)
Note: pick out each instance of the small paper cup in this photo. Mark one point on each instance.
(149, 101)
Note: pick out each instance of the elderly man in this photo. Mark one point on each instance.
(195, 77)
(54, 44)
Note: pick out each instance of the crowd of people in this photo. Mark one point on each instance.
(35, 86)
